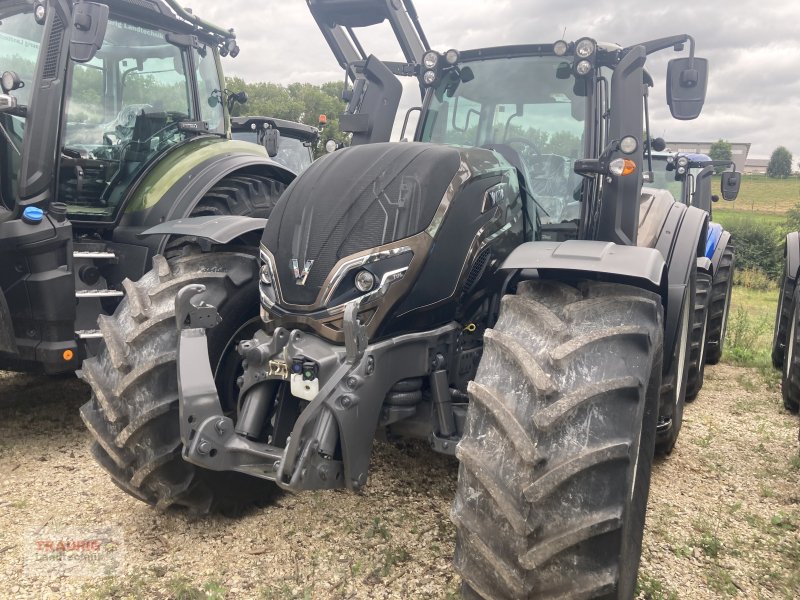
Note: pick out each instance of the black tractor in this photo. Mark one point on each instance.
(785, 356)
(689, 177)
(113, 120)
(501, 288)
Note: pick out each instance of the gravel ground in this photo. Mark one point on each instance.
(724, 516)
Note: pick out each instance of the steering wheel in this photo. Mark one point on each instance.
(122, 126)
(524, 142)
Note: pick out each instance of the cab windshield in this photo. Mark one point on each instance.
(525, 107)
(664, 179)
(293, 153)
(124, 109)
(20, 38)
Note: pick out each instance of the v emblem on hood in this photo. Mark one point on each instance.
(301, 276)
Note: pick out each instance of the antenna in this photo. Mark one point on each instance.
(564, 35)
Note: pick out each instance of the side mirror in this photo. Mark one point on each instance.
(88, 30)
(730, 181)
(687, 80)
(272, 138)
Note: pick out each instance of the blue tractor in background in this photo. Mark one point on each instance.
(688, 178)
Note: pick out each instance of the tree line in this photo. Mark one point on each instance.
(779, 166)
(301, 102)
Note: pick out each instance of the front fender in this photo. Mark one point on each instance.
(177, 183)
(220, 229)
(644, 266)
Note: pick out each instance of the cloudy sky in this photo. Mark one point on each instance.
(753, 50)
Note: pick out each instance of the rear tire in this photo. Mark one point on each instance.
(697, 349)
(133, 412)
(246, 194)
(720, 305)
(558, 444)
(790, 375)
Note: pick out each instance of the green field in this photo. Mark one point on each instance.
(750, 324)
(762, 194)
(730, 218)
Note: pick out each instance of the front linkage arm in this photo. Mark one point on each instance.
(344, 412)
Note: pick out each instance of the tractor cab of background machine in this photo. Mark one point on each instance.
(689, 178)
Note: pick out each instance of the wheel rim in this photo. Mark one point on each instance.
(229, 366)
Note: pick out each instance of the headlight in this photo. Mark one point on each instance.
(430, 59)
(560, 48)
(39, 13)
(451, 56)
(330, 146)
(683, 161)
(628, 144)
(584, 48)
(429, 77)
(364, 280)
(583, 67)
(9, 81)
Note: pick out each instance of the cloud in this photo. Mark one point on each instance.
(753, 50)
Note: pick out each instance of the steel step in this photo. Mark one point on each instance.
(89, 334)
(99, 294)
(94, 255)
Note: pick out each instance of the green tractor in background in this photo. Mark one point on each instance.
(113, 119)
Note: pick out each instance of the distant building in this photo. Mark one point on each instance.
(756, 166)
(738, 151)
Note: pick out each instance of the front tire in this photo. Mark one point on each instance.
(720, 305)
(558, 444)
(790, 379)
(698, 347)
(782, 322)
(133, 412)
(674, 385)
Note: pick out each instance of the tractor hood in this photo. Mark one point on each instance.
(339, 208)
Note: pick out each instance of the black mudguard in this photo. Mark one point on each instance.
(219, 230)
(681, 242)
(791, 253)
(724, 239)
(627, 264)
(136, 251)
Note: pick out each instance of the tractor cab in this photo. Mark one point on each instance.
(287, 142)
(689, 178)
(113, 119)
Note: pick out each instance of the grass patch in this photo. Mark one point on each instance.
(719, 580)
(652, 589)
(749, 336)
(709, 543)
(762, 194)
(182, 588)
